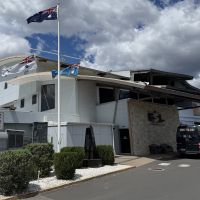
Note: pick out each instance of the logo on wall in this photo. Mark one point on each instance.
(155, 117)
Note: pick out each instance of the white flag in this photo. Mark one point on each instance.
(26, 66)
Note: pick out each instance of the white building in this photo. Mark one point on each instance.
(127, 113)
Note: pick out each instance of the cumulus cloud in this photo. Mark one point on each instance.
(13, 45)
(120, 34)
(13, 26)
(196, 81)
(169, 41)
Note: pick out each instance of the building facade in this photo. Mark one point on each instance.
(128, 112)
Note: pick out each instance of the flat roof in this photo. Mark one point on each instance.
(163, 73)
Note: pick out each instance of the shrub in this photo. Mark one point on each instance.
(15, 171)
(80, 154)
(105, 152)
(65, 165)
(42, 155)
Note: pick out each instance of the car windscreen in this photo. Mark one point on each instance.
(190, 133)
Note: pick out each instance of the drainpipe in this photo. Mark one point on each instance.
(114, 115)
(116, 104)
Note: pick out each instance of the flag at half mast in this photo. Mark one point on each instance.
(48, 14)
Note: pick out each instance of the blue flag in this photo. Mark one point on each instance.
(66, 71)
(49, 14)
(72, 70)
(54, 73)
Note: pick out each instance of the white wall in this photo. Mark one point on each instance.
(68, 100)
(87, 101)
(105, 113)
(74, 134)
(25, 92)
(52, 135)
(8, 95)
(78, 101)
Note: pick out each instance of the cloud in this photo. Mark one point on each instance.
(13, 26)
(169, 41)
(13, 45)
(196, 81)
(119, 34)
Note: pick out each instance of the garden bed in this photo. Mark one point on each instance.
(45, 184)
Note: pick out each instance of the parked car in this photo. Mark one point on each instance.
(188, 139)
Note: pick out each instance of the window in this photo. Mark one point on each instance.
(15, 139)
(5, 85)
(124, 94)
(47, 97)
(40, 132)
(22, 103)
(106, 95)
(34, 99)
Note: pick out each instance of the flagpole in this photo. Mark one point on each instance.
(59, 128)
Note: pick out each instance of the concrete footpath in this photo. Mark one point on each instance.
(136, 161)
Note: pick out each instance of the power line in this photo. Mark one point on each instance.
(67, 56)
(55, 53)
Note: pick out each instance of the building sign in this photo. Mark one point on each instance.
(155, 117)
(1, 121)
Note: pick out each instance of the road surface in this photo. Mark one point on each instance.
(177, 179)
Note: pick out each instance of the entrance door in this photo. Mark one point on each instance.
(124, 141)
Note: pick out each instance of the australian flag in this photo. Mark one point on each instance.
(49, 14)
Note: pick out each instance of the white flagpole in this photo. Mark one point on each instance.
(58, 134)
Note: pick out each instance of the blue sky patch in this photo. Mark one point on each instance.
(73, 46)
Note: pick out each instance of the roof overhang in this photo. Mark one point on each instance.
(123, 84)
(156, 72)
(174, 93)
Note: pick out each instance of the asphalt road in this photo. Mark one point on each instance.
(177, 179)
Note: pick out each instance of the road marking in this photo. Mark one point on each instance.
(156, 169)
(164, 164)
(184, 165)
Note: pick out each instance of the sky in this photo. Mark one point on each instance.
(109, 34)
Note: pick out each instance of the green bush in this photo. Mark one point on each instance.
(105, 152)
(42, 155)
(15, 171)
(80, 154)
(65, 165)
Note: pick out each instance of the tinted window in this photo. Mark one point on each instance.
(19, 140)
(106, 95)
(15, 139)
(22, 103)
(11, 140)
(124, 94)
(34, 99)
(5, 85)
(47, 97)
